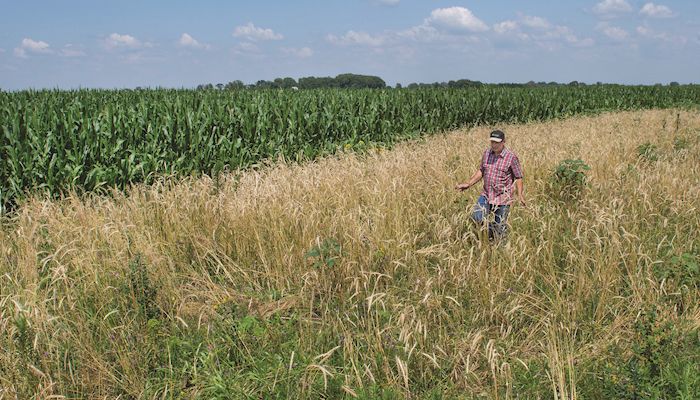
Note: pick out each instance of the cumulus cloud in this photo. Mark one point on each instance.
(453, 24)
(71, 51)
(540, 32)
(35, 46)
(457, 27)
(28, 46)
(656, 11)
(612, 7)
(303, 52)
(567, 35)
(186, 40)
(360, 38)
(246, 49)
(458, 18)
(252, 32)
(613, 32)
(535, 22)
(648, 33)
(505, 26)
(116, 40)
(420, 33)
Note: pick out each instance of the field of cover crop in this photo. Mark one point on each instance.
(355, 274)
(90, 140)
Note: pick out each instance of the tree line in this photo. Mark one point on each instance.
(342, 81)
(355, 81)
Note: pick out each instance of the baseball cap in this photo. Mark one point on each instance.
(497, 136)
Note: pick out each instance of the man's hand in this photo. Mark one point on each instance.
(462, 187)
(521, 201)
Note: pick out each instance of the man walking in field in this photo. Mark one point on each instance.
(500, 169)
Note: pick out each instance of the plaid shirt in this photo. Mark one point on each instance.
(499, 173)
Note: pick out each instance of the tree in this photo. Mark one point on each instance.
(237, 84)
(359, 81)
(263, 84)
(312, 82)
(459, 84)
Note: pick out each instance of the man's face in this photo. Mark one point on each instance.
(497, 147)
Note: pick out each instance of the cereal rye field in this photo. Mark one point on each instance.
(359, 276)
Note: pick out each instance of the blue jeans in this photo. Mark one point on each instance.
(498, 228)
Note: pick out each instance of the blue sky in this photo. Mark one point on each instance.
(128, 43)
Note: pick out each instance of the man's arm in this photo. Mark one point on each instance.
(517, 172)
(519, 187)
(471, 182)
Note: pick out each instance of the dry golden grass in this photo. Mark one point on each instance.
(416, 300)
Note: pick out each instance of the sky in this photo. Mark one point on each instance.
(158, 43)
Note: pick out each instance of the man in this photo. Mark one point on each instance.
(500, 169)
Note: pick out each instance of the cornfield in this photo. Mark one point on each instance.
(91, 140)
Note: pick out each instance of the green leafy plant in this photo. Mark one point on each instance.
(143, 290)
(569, 179)
(662, 362)
(683, 271)
(325, 253)
(648, 151)
(680, 143)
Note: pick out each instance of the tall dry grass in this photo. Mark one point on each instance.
(206, 288)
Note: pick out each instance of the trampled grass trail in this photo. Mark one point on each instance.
(359, 276)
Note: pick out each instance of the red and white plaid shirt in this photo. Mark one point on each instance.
(499, 173)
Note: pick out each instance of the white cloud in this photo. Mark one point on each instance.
(585, 42)
(456, 18)
(303, 52)
(32, 46)
(116, 40)
(134, 58)
(252, 32)
(656, 11)
(422, 33)
(71, 51)
(443, 25)
(612, 7)
(676, 40)
(505, 26)
(644, 31)
(389, 2)
(613, 32)
(247, 46)
(535, 22)
(649, 33)
(540, 32)
(35, 46)
(458, 28)
(360, 38)
(186, 40)
(246, 49)
(565, 33)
